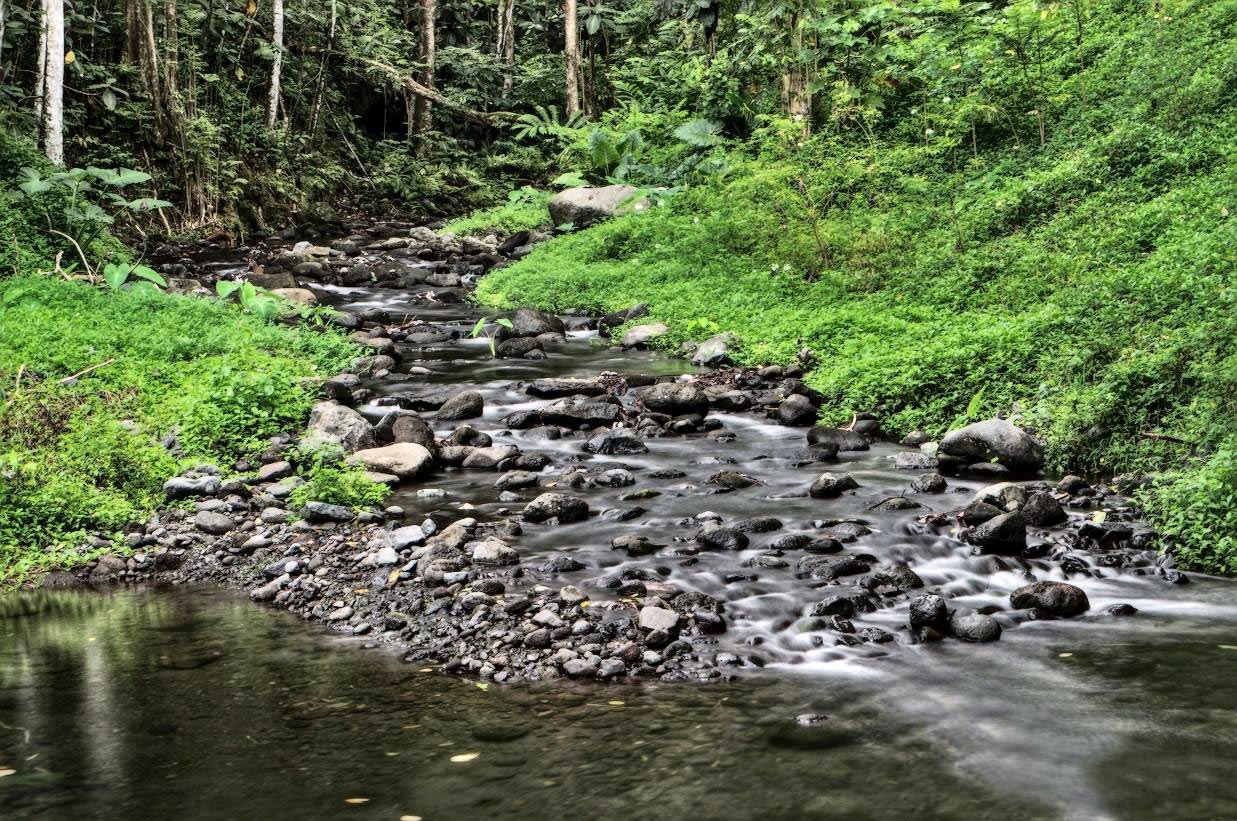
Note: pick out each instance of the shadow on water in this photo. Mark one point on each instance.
(195, 704)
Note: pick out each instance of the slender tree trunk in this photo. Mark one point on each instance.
(506, 43)
(40, 79)
(429, 21)
(171, 46)
(316, 111)
(796, 81)
(272, 107)
(52, 125)
(4, 11)
(571, 52)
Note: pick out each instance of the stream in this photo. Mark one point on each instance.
(190, 701)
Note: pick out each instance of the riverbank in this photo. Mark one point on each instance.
(563, 506)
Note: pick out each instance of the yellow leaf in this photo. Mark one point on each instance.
(482, 686)
(69, 57)
(356, 800)
(955, 67)
(463, 757)
(1064, 655)
(615, 703)
(393, 576)
(251, 8)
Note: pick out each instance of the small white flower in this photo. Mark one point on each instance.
(928, 131)
(949, 99)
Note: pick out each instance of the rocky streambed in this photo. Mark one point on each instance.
(568, 504)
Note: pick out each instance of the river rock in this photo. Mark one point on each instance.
(796, 410)
(974, 627)
(930, 483)
(993, 440)
(584, 206)
(839, 437)
(714, 351)
(406, 460)
(321, 512)
(929, 610)
(463, 405)
(577, 412)
(1006, 533)
(184, 487)
(518, 347)
(674, 399)
(642, 335)
(1043, 510)
(829, 485)
(1050, 599)
(300, 296)
(658, 618)
(213, 522)
(404, 426)
(613, 320)
(488, 458)
(331, 423)
(553, 388)
(556, 506)
(494, 552)
(618, 441)
(530, 322)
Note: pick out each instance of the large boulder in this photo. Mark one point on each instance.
(1051, 599)
(1006, 533)
(642, 335)
(993, 440)
(584, 206)
(558, 506)
(578, 412)
(407, 460)
(530, 322)
(331, 423)
(840, 438)
(464, 405)
(714, 351)
(674, 398)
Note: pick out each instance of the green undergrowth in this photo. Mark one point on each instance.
(329, 479)
(525, 210)
(87, 455)
(1085, 285)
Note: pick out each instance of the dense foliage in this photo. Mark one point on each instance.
(86, 454)
(962, 207)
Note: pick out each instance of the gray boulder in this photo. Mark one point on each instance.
(839, 437)
(406, 460)
(974, 627)
(993, 440)
(331, 423)
(464, 405)
(674, 398)
(714, 351)
(556, 506)
(1051, 599)
(642, 335)
(585, 206)
(829, 485)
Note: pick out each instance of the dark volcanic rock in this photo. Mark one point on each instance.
(1051, 599)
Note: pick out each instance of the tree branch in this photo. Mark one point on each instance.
(490, 118)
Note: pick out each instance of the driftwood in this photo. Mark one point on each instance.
(490, 118)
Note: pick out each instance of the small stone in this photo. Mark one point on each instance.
(658, 618)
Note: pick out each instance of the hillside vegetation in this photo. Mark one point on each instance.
(943, 265)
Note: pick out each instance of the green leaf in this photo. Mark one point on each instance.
(150, 275)
(506, 323)
(700, 133)
(478, 328)
(147, 204)
(226, 287)
(115, 275)
(972, 407)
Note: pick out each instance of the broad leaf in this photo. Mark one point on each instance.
(150, 275)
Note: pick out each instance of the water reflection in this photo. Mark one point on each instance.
(195, 704)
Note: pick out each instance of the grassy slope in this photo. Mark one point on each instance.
(85, 457)
(1087, 284)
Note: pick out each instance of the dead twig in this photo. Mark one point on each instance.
(75, 376)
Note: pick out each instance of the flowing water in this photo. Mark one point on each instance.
(194, 703)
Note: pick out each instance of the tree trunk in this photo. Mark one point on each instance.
(3, 19)
(796, 80)
(171, 45)
(272, 107)
(506, 43)
(40, 79)
(571, 51)
(316, 111)
(52, 124)
(425, 107)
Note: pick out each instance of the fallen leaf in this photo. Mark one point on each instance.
(356, 800)
(463, 757)
(615, 703)
(482, 686)
(410, 818)
(7, 771)
(1099, 516)
(69, 58)
(1064, 655)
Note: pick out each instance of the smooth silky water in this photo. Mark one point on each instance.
(195, 703)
